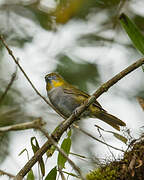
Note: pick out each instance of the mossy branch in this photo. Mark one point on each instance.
(130, 167)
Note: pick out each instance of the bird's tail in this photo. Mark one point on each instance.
(110, 119)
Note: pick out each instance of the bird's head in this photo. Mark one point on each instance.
(53, 80)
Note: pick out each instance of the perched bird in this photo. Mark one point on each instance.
(66, 98)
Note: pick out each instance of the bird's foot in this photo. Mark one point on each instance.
(77, 111)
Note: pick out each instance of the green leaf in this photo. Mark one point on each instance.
(50, 151)
(66, 145)
(71, 174)
(133, 32)
(23, 152)
(30, 175)
(120, 137)
(35, 148)
(78, 155)
(52, 174)
(69, 133)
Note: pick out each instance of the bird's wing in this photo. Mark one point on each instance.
(81, 94)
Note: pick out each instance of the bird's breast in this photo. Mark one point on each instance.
(65, 103)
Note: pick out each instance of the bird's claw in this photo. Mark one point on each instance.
(77, 111)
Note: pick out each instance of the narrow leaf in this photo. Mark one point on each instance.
(30, 175)
(52, 174)
(133, 32)
(69, 133)
(66, 144)
(78, 155)
(118, 136)
(24, 150)
(35, 148)
(71, 174)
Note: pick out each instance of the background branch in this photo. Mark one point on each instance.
(88, 134)
(13, 77)
(35, 124)
(6, 173)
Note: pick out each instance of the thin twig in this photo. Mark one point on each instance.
(88, 134)
(62, 174)
(62, 152)
(141, 102)
(13, 77)
(35, 124)
(7, 174)
(118, 11)
(132, 163)
(99, 131)
(70, 174)
(26, 76)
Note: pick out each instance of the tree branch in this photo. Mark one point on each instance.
(35, 124)
(76, 168)
(66, 124)
(13, 77)
(7, 174)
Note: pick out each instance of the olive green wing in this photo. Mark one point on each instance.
(81, 95)
(101, 113)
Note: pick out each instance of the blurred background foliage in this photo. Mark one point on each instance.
(10, 113)
(19, 18)
(88, 72)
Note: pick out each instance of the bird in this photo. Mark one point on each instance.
(66, 98)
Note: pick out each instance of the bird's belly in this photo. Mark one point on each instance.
(65, 103)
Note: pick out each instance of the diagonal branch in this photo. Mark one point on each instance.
(56, 135)
(66, 124)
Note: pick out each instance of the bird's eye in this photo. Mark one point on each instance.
(54, 77)
(49, 78)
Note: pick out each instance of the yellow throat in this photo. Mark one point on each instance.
(54, 84)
